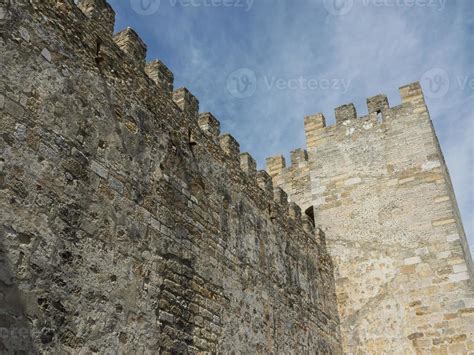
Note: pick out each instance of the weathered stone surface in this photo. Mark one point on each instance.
(345, 113)
(381, 191)
(100, 13)
(161, 75)
(131, 44)
(126, 227)
(248, 164)
(129, 226)
(377, 104)
(209, 124)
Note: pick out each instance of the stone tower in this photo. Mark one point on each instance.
(379, 187)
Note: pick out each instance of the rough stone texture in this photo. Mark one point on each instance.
(382, 192)
(294, 179)
(312, 124)
(161, 75)
(209, 124)
(345, 112)
(129, 225)
(100, 13)
(377, 104)
(248, 165)
(131, 44)
(125, 228)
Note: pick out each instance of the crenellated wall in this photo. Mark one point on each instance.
(294, 179)
(381, 191)
(128, 223)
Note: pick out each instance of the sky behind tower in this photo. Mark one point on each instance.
(262, 65)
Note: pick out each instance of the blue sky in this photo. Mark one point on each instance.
(231, 53)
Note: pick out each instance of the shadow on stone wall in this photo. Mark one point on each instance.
(15, 330)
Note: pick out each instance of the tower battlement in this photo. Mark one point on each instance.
(378, 110)
(348, 123)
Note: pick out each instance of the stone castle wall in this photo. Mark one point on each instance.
(295, 178)
(128, 224)
(381, 191)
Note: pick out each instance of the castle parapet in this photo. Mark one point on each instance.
(275, 165)
(345, 112)
(264, 181)
(133, 52)
(298, 156)
(131, 43)
(312, 126)
(412, 93)
(99, 12)
(377, 104)
(379, 110)
(161, 75)
(248, 164)
(230, 146)
(209, 124)
(186, 101)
